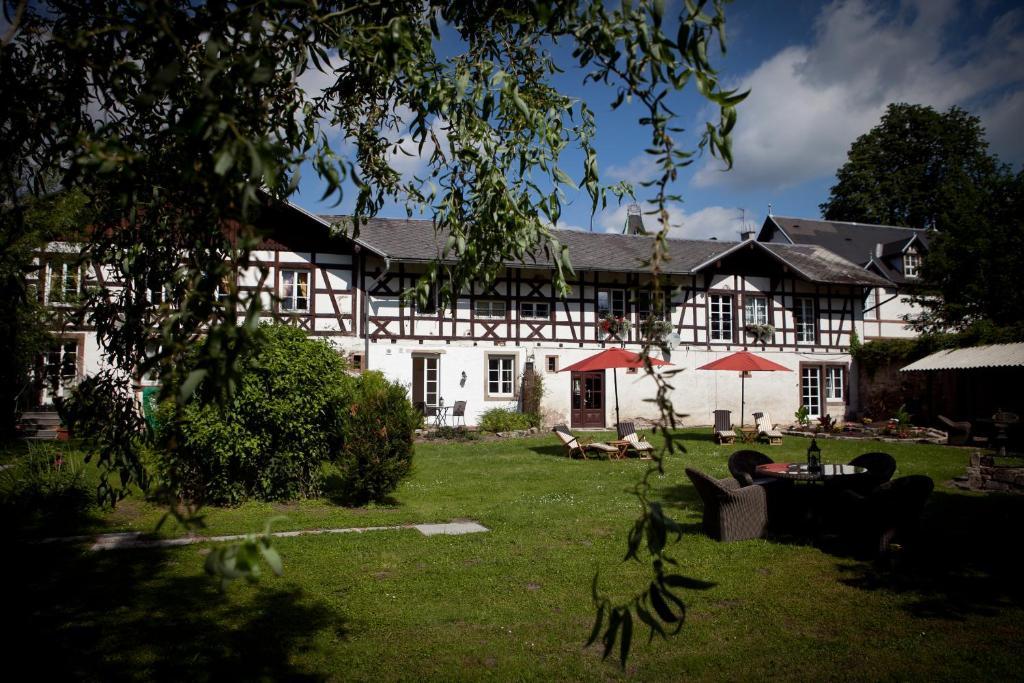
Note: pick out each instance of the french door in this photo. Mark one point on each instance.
(587, 399)
(425, 382)
(810, 390)
(57, 371)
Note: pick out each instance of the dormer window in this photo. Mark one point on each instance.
(911, 264)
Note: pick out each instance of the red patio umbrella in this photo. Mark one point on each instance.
(612, 358)
(744, 362)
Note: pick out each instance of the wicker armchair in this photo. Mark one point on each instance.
(731, 512)
(743, 466)
(880, 468)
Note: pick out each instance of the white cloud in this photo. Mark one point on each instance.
(809, 102)
(639, 168)
(719, 222)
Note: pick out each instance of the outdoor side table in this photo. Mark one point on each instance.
(441, 416)
(622, 445)
(748, 434)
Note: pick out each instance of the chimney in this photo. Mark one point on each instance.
(747, 235)
(634, 220)
(878, 250)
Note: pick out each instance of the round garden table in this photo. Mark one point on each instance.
(801, 472)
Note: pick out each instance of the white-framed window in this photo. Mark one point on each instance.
(611, 302)
(489, 308)
(911, 264)
(803, 316)
(552, 363)
(501, 376)
(834, 382)
(537, 310)
(158, 295)
(810, 390)
(294, 290)
(871, 304)
(648, 305)
(720, 317)
(64, 282)
(755, 310)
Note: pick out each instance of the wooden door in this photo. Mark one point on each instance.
(587, 400)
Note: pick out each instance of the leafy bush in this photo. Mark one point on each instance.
(46, 489)
(505, 420)
(372, 437)
(270, 441)
(802, 416)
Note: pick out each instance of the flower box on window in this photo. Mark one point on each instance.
(616, 326)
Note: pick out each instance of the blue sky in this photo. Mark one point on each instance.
(820, 75)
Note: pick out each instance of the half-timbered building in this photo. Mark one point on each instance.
(892, 252)
(796, 304)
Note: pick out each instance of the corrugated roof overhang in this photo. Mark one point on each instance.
(990, 356)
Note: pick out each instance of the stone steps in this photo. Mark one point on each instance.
(39, 425)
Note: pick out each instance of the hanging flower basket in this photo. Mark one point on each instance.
(616, 326)
(656, 330)
(762, 334)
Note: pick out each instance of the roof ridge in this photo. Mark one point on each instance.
(870, 225)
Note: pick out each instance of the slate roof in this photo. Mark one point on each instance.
(856, 242)
(415, 241)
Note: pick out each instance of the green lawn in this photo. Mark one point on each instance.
(514, 603)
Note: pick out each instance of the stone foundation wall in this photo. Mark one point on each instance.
(984, 475)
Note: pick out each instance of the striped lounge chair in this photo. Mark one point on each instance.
(575, 447)
(723, 430)
(627, 432)
(766, 429)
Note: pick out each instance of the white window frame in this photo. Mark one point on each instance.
(501, 376)
(720, 317)
(871, 303)
(751, 313)
(615, 303)
(489, 308)
(528, 310)
(810, 390)
(804, 320)
(549, 366)
(911, 264)
(68, 271)
(290, 291)
(431, 380)
(835, 375)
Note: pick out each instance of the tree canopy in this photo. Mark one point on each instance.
(922, 168)
(917, 168)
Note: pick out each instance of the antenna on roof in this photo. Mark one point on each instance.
(746, 232)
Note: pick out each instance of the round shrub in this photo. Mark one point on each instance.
(269, 443)
(374, 423)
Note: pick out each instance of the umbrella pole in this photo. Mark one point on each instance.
(615, 379)
(743, 396)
